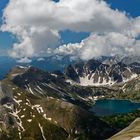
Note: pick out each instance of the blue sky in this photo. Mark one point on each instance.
(6, 39)
(2, 5)
(130, 6)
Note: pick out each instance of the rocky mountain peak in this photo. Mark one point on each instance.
(95, 73)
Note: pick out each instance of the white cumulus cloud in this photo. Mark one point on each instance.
(37, 24)
(108, 44)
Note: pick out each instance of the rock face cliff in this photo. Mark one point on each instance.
(96, 73)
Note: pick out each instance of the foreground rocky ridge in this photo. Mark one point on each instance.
(132, 132)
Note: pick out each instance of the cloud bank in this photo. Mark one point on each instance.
(37, 24)
(108, 44)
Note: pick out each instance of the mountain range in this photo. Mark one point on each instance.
(36, 104)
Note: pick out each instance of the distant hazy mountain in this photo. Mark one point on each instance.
(131, 59)
(57, 62)
(6, 63)
(52, 63)
(46, 63)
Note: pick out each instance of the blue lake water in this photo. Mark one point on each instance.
(112, 107)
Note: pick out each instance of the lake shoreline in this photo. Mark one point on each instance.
(108, 107)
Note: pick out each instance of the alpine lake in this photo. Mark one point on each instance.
(108, 107)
